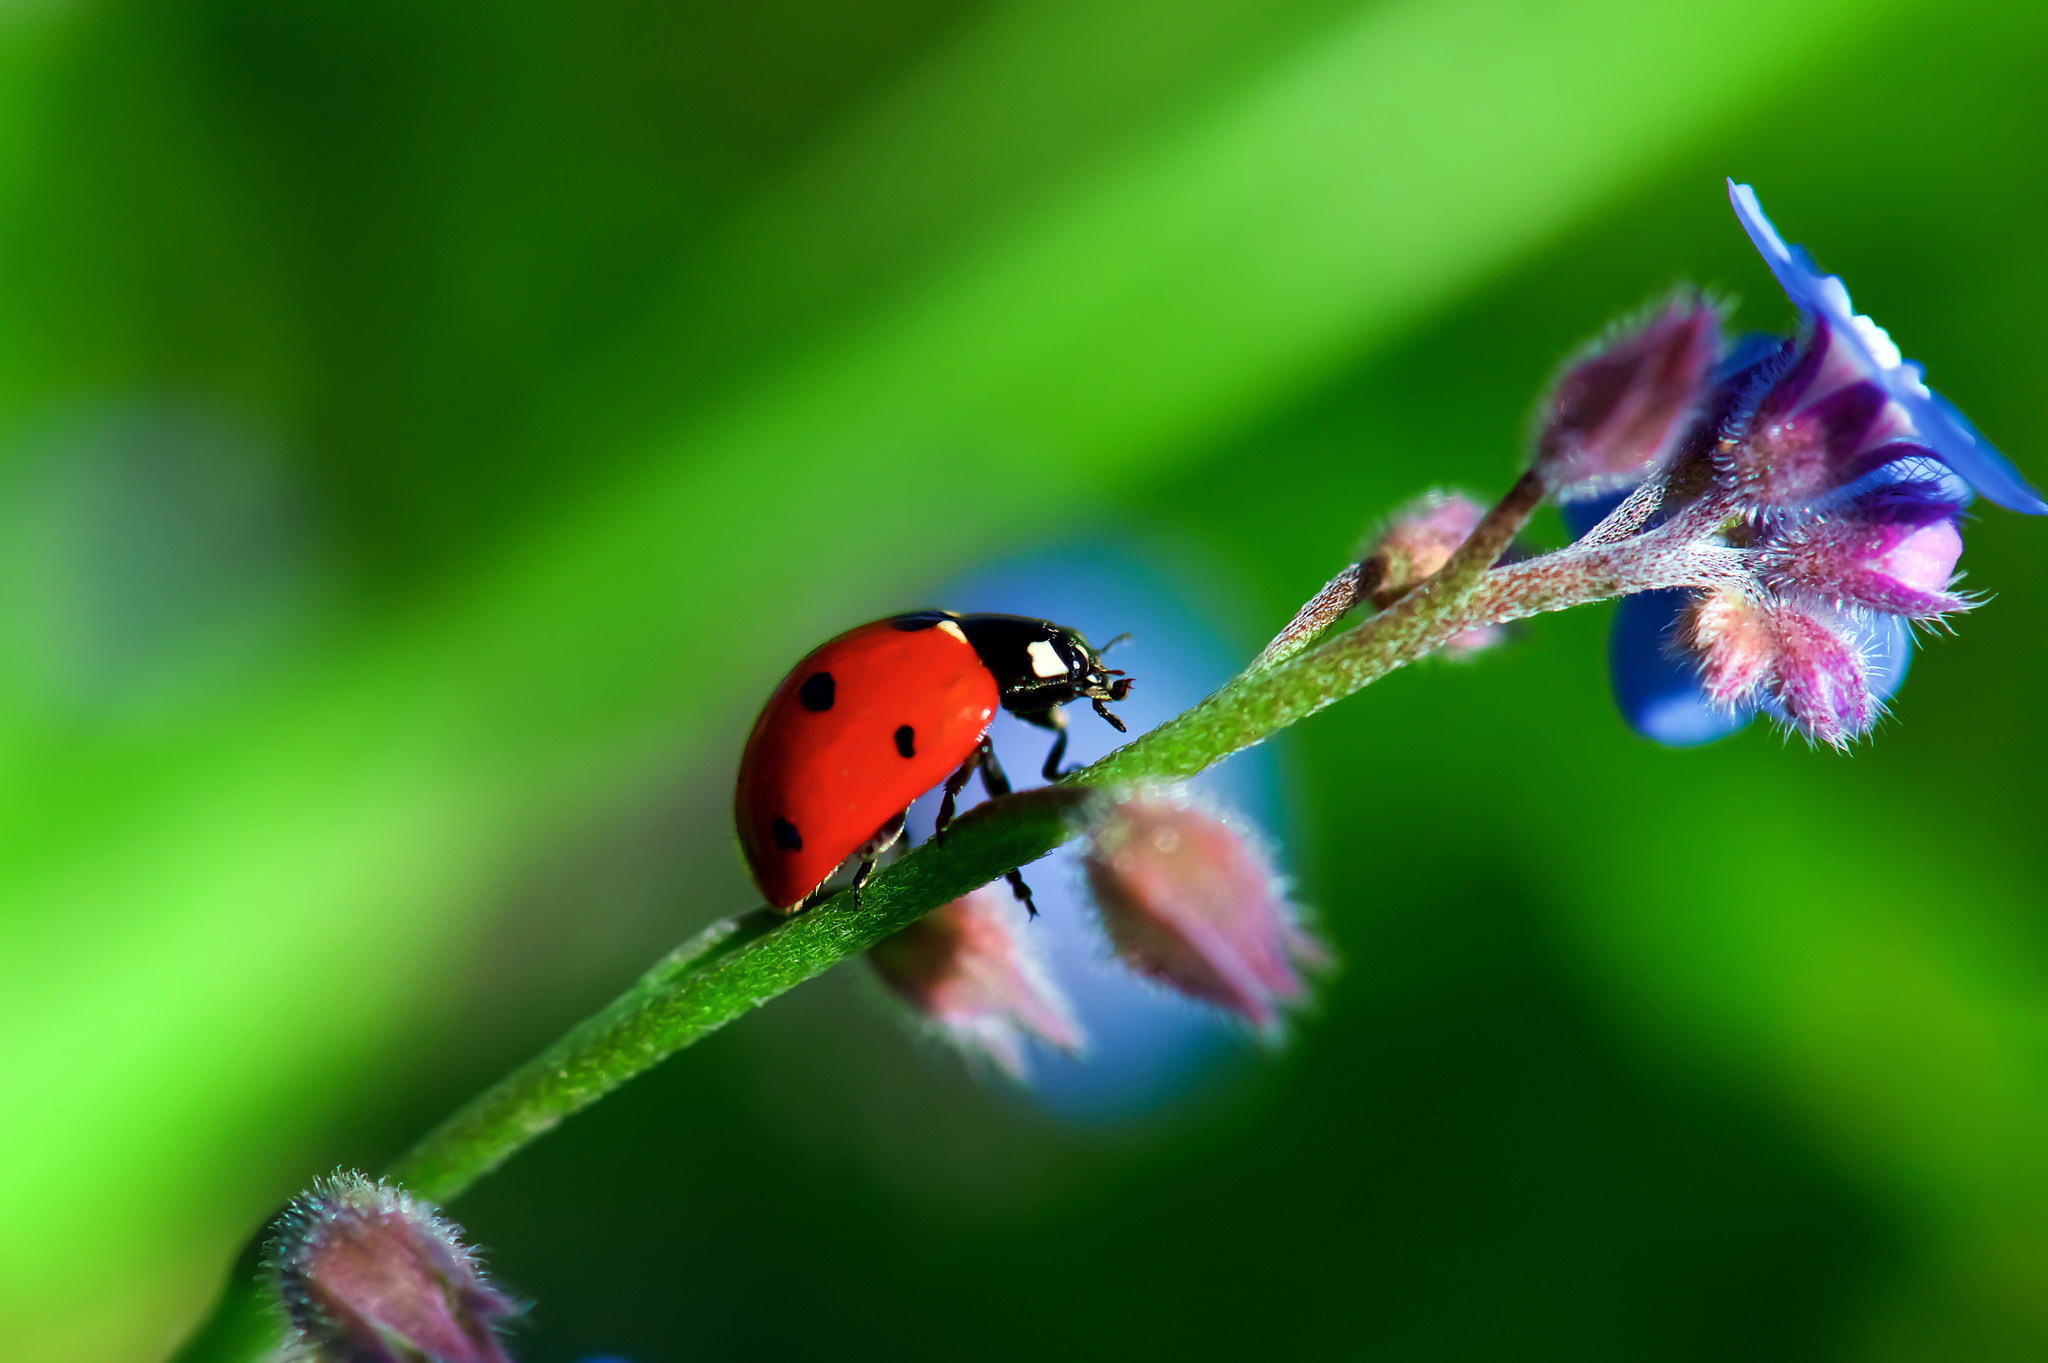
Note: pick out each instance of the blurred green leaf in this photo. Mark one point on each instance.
(214, 925)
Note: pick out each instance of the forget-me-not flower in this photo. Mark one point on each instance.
(1836, 482)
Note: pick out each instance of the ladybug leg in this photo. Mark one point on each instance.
(860, 878)
(956, 783)
(1056, 720)
(871, 851)
(1021, 890)
(982, 759)
(998, 785)
(992, 779)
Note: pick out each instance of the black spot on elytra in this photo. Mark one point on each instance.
(906, 741)
(817, 691)
(785, 835)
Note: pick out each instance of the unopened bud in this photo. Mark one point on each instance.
(1731, 638)
(1616, 413)
(964, 969)
(1819, 677)
(1421, 539)
(1472, 641)
(1893, 550)
(370, 1274)
(1187, 901)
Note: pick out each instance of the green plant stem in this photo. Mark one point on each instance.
(1263, 700)
(740, 963)
(726, 970)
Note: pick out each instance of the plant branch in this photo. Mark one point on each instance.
(738, 964)
(728, 969)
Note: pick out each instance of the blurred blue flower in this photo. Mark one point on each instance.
(1147, 1046)
(1935, 422)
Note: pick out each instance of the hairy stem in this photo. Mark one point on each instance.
(1321, 611)
(728, 969)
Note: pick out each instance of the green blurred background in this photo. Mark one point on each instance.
(426, 430)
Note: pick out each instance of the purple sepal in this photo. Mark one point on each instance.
(1887, 646)
(1795, 449)
(1892, 549)
(1819, 676)
(1825, 299)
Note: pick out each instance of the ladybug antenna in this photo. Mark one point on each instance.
(1112, 644)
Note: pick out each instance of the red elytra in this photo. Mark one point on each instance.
(829, 779)
(876, 717)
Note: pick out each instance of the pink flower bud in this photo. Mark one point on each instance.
(1731, 638)
(1615, 414)
(1894, 550)
(1466, 644)
(369, 1274)
(964, 969)
(1819, 677)
(1188, 902)
(1421, 540)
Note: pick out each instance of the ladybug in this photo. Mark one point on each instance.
(878, 716)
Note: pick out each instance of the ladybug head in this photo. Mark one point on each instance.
(1040, 665)
(1085, 673)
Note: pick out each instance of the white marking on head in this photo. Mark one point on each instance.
(1045, 660)
(948, 627)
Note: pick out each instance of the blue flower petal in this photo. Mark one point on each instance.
(1936, 421)
(1660, 696)
(1970, 454)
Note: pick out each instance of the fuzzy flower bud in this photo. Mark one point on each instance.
(964, 969)
(1731, 638)
(1616, 412)
(1819, 677)
(370, 1274)
(1421, 540)
(1187, 901)
(1892, 550)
